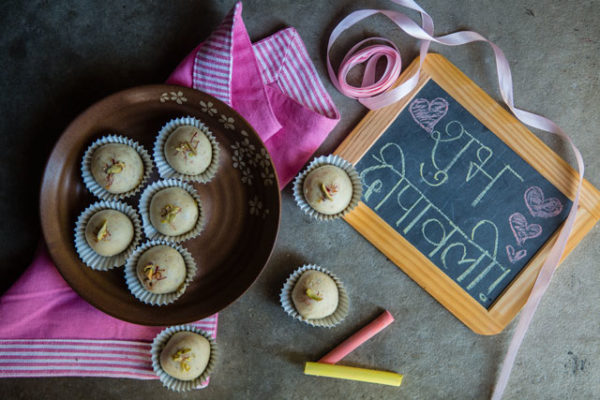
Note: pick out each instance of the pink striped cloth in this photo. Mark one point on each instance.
(46, 329)
(271, 83)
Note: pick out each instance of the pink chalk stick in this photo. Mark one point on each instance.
(366, 333)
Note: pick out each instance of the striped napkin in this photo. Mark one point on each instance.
(272, 83)
(47, 329)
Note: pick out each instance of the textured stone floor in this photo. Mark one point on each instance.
(58, 57)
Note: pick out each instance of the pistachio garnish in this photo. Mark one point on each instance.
(188, 148)
(103, 232)
(185, 148)
(153, 272)
(328, 191)
(168, 213)
(111, 169)
(183, 356)
(116, 168)
(325, 192)
(313, 295)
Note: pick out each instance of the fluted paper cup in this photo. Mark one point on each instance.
(165, 170)
(144, 208)
(167, 380)
(93, 186)
(330, 321)
(87, 254)
(319, 162)
(137, 288)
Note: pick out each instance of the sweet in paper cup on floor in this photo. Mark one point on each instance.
(315, 296)
(183, 357)
(328, 188)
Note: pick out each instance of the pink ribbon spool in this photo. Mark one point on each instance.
(370, 55)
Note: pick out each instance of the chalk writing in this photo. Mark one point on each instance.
(455, 191)
(483, 155)
(458, 252)
(540, 207)
(454, 131)
(493, 180)
(483, 224)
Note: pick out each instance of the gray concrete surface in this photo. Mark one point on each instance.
(58, 57)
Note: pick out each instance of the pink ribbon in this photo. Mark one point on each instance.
(374, 96)
(371, 56)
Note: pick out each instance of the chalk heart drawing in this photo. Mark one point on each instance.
(428, 113)
(539, 206)
(521, 229)
(514, 256)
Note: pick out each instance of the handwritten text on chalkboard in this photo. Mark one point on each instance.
(460, 195)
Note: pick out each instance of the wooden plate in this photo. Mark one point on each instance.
(241, 204)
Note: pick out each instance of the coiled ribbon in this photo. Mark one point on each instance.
(371, 56)
(375, 94)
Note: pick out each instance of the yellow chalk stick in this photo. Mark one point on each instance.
(352, 373)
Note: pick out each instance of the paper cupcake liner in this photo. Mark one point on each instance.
(164, 168)
(88, 178)
(167, 380)
(319, 162)
(144, 206)
(330, 321)
(87, 254)
(139, 291)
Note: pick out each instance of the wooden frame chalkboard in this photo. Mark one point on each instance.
(482, 318)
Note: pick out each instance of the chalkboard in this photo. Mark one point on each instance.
(459, 194)
(462, 196)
